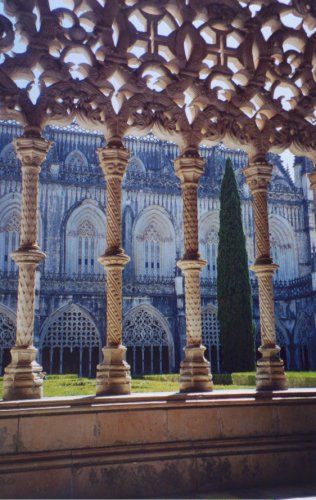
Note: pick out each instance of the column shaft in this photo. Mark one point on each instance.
(195, 374)
(23, 379)
(270, 368)
(113, 374)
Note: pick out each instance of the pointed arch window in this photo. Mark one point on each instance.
(148, 339)
(85, 240)
(154, 244)
(70, 342)
(209, 246)
(9, 240)
(283, 248)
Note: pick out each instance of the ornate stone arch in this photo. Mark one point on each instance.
(7, 333)
(76, 161)
(283, 247)
(84, 238)
(208, 242)
(144, 326)
(154, 243)
(70, 328)
(211, 333)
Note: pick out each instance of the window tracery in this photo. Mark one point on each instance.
(8, 155)
(143, 329)
(154, 244)
(209, 246)
(211, 334)
(85, 239)
(76, 161)
(283, 248)
(148, 341)
(9, 239)
(7, 331)
(71, 328)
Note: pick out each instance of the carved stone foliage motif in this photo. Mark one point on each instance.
(192, 71)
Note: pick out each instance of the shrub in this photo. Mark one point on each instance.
(295, 379)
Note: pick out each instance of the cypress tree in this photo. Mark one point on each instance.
(233, 284)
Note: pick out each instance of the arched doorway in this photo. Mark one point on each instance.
(7, 336)
(149, 342)
(70, 342)
(210, 336)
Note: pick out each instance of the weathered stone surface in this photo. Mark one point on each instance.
(142, 446)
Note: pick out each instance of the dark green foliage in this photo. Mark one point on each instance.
(233, 285)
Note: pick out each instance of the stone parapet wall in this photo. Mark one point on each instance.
(129, 446)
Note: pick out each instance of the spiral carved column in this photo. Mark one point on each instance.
(270, 367)
(195, 370)
(113, 374)
(23, 376)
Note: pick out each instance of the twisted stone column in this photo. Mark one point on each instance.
(23, 376)
(195, 370)
(270, 368)
(113, 374)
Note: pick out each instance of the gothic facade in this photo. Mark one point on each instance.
(70, 289)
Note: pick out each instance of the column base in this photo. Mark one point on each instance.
(113, 374)
(23, 377)
(270, 375)
(195, 371)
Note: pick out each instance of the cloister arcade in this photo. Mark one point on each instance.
(241, 73)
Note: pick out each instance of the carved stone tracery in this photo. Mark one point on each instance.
(241, 72)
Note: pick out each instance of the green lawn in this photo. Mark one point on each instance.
(71, 385)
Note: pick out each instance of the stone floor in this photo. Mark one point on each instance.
(306, 492)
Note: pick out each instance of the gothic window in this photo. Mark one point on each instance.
(76, 161)
(210, 335)
(209, 244)
(70, 342)
(209, 249)
(147, 336)
(7, 336)
(85, 239)
(154, 244)
(8, 155)
(136, 166)
(10, 240)
(283, 248)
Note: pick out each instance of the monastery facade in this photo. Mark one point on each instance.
(70, 284)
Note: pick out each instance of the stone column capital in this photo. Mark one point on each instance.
(116, 261)
(189, 167)
(31, 151)
(264, 269)
(312, 179)
(113, 160)
(191, 265)
(258, 176)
